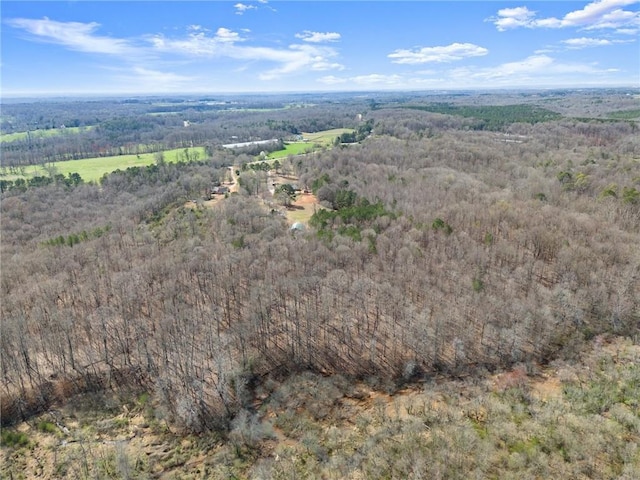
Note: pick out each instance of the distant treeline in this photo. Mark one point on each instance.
(492, 117)
(21, 184)
(139, 132)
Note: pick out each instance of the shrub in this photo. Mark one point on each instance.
(564, 177)
(9, 438)
(609, 191)
(541, 196)
(477, 284)
(47, 427)
(630, 195)
(439, 224)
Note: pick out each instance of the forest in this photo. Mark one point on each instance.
(458, 237)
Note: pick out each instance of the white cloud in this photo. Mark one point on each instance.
(297, 58)
(242, 7)
(322, 66)
(513, 18)
(142, 79)
(198, 43)
(371, 80)
(449, 53)
(227, 36)
(318, 37)
(599, 14)
(532, 64)
(584, 42)
(225, 43)
(163, 80)
(266, 5)
(73, 35)
(377, 79)
(533, 70)
(332, 80)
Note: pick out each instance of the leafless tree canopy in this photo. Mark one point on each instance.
(489, 247)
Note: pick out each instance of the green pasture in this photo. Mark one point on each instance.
(92, 169)
(312, 141)
(12, 137)
(326, 137)
(292, 148)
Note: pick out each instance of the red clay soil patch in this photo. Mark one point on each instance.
(306, 199)
(305, 205)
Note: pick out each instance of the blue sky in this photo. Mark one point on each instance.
(182, 47)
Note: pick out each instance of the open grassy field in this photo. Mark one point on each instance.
(311, 142)
(291, 148)
(12, 137)
(325, 137)
(303, 208)
(92, 169)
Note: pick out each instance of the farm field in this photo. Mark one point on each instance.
(325, 137)
(311, 142)
(12, 137)
(92, 169)
(291, 148)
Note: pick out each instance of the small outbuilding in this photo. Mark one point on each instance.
(220, 190)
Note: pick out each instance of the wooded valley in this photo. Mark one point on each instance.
(464, 236)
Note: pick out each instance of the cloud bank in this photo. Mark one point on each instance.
(449, 53)
(601, 14)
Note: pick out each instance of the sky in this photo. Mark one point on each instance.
(75, 47)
